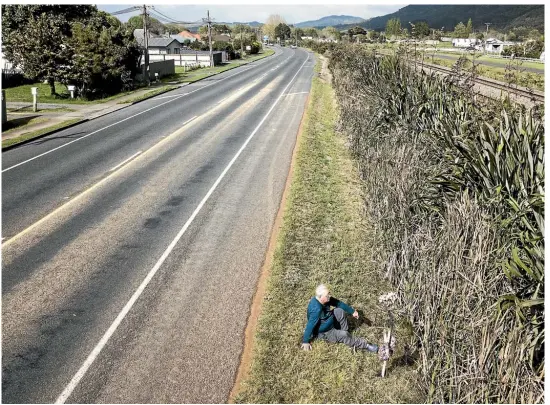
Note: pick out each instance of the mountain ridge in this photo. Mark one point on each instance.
(330, 20)
(501, 17)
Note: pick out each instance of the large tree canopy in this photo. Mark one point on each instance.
(282, 31)
(70, 44)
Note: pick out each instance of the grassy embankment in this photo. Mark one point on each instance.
(34, 134)
(325, 238)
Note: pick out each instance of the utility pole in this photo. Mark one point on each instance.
(146, 43)
(486, 35)
(208, 21)
(487, 32)
(242, 50)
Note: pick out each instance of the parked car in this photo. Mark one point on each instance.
(293, 46)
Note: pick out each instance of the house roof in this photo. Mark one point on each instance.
(221, 38)
(161, 42)
(181, 39)
(187, 34)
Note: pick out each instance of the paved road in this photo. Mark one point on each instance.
(130, 280)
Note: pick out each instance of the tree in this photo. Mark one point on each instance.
(469, 28)
(421, 29)
(393, 27)
(297, 32)
(311, 32)
(460, 31)
(173, 28)
(332, 33)
(282, 31)
(373, 35)
(34, 37)
(271, 23)
(104, 57)
(153, 25)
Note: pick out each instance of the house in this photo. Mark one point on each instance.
(157, 44)
(493, 45)
(188, 57)
(465, 42)
(163, 46)
(189, 35)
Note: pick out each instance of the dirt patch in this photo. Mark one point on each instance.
(325, 75)
(255, 310)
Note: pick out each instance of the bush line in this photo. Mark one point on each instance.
(455, 189)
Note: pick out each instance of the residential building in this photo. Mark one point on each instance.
(493, 45)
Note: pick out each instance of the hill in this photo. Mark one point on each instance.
(331, 20)
(501, 17)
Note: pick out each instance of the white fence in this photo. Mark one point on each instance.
(190, 59)
(515, 57)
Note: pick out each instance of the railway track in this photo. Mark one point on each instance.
(519, 91)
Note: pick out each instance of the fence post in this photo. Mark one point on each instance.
(4, 112)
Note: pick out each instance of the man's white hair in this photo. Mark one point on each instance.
(321, 290)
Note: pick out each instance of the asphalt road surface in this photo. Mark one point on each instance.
(133, 242)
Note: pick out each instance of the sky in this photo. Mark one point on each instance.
(257, 12)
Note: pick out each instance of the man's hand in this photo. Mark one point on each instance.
(356, 315)
(306, 346)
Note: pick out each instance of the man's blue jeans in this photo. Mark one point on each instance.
(340, 334)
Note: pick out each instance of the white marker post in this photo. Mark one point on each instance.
(34, 92)
(71, 89)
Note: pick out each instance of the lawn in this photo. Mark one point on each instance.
(18, 123)
(29, 135)
(23, 94)
(521, 78)
(325, 238)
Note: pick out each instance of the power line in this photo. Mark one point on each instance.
(126, 10)
(172, 20)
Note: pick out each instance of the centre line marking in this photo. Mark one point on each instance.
(126, 161)
(93, 187)
(120, 317)
(300, 92)
(126, 119)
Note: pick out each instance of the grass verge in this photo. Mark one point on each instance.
(325, 238)
(23, 94)
(149, 94)
(34, 134)
(18, 123)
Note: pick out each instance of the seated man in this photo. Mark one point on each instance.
(331, 325)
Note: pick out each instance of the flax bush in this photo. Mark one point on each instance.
(456, 192)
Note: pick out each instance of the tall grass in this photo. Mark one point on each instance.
(456, 190)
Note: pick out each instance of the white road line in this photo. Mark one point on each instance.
(90, 189)
(189, 120)
(126, 161)
(126, 119)
(300, 92)
(97, 349)
(174, 95)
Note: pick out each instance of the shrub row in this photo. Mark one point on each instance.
(456, 192)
